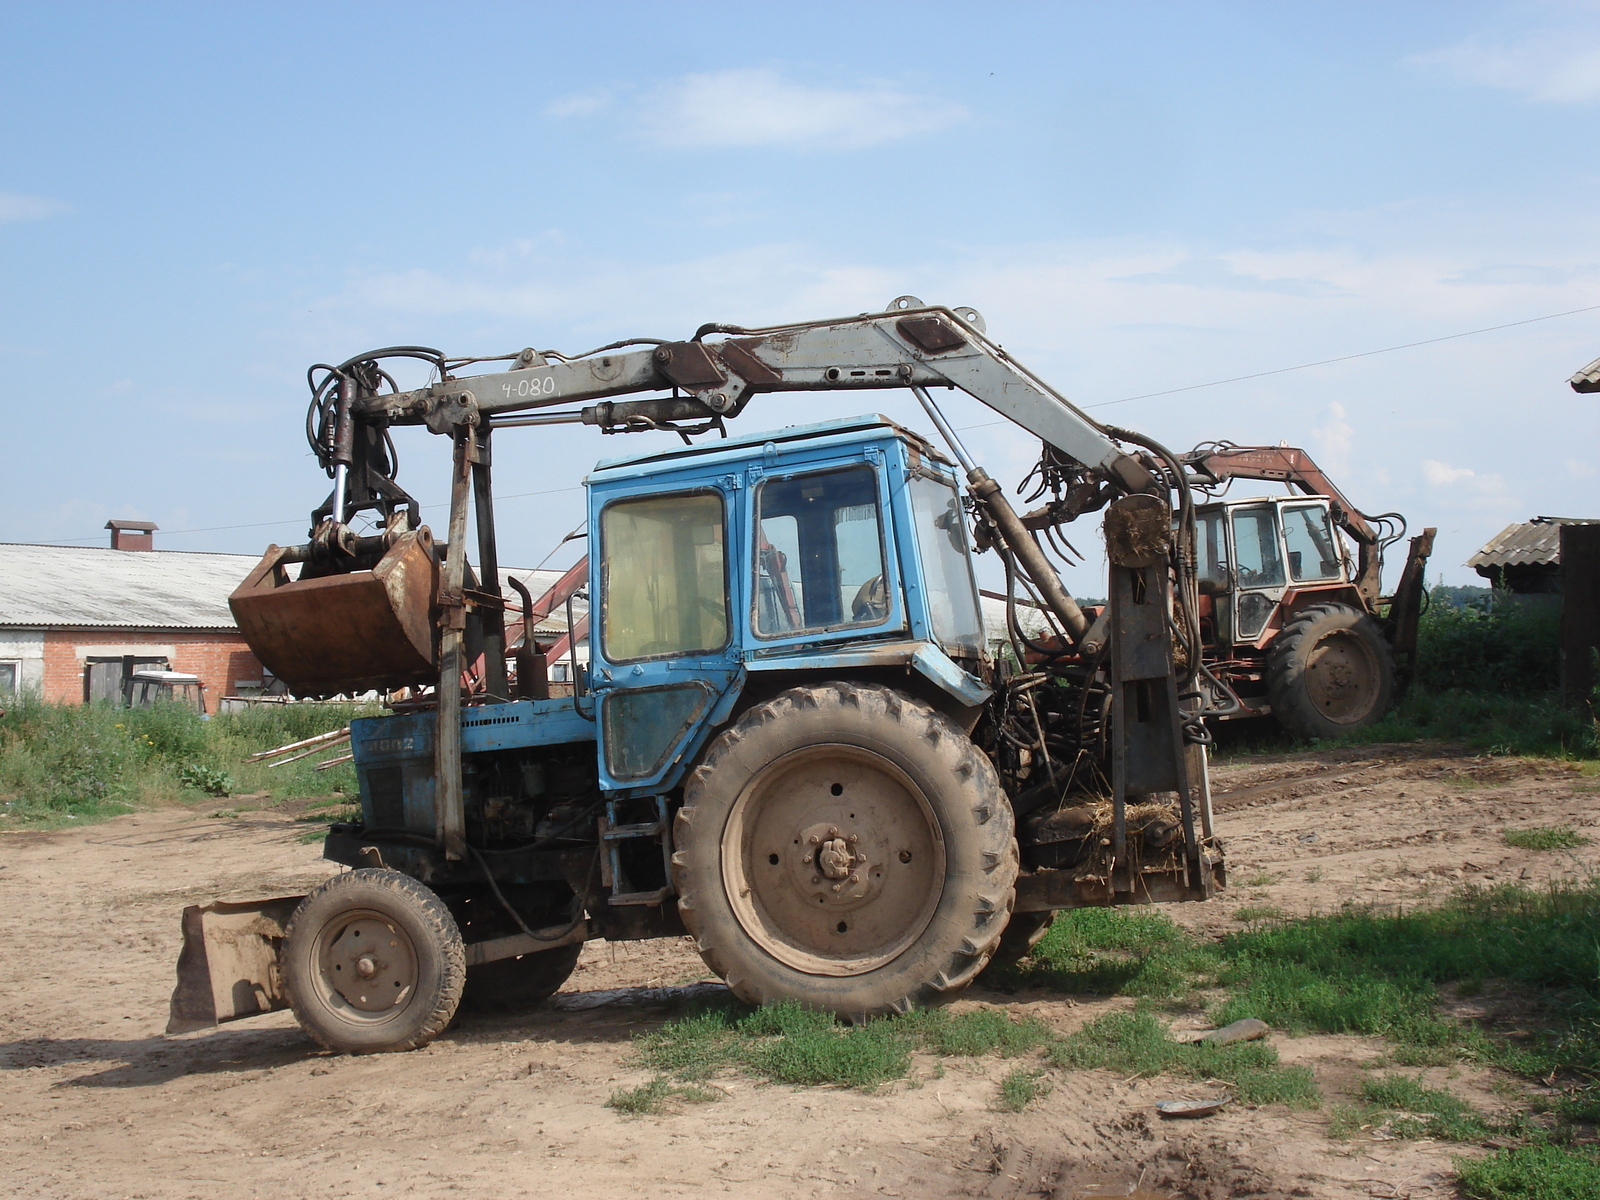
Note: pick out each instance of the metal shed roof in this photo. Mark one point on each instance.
(83, 587)
(1527, 544)
(80, 586)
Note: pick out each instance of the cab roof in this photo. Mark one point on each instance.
(866, 426)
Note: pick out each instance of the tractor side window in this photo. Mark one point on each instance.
(819, 553)
(946, 570)
(1255, 547)
(663, 581)
(1309, 538)
(1212, 550)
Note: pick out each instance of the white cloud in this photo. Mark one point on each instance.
(1443, 474)
(16, 206)
(1555, 66)
(757, 106)
(582, 104)
(1334, 441)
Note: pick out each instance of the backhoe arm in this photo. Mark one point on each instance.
(912, 347)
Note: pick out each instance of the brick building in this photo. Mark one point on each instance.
(74, 619)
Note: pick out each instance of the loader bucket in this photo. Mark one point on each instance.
(228, 967)
(345, 633)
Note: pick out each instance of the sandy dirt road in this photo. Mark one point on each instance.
(96, 1103)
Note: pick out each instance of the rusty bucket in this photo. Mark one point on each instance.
(345, 633)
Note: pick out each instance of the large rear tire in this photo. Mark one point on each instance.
(1329, 672)
(515, 984)
(373, 961)
(847, 847)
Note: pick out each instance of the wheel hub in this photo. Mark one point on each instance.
(371, 963)
(1342, 678)
(832, 860)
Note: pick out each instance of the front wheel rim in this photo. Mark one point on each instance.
(833, 861)
(366, 967)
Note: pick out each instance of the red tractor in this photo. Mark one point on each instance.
(1290, 624)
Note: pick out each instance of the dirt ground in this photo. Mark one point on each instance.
(95, 1102)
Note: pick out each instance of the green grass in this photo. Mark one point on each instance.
(787, 1043)
(1103, 951)
(1546, 837)
(1404, 1108)
(1021, 1088)
(1250, 913)
(1137, 1044)
(1363, 972)
(656, 1096)
(1538, 1172)
(1535, 726)
(65, 763)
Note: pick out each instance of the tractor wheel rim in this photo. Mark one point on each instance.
(1342, 678)
(367, 964)
(832, 860)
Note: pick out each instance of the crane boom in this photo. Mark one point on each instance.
(921, 346)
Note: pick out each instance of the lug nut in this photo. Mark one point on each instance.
(837, 886)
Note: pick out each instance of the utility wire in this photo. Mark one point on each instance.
(1321, 362)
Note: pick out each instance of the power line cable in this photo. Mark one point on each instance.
(1321, 362)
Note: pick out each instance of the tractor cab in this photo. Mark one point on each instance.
(837, 547)
(1253, 553)
(147, 688)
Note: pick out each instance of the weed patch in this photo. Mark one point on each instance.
(1021, 1088)
(790, 1044)
(1545, 837)
(1136, 1043)
(1531, 1173)
(655, 1097)
(1402, 1108)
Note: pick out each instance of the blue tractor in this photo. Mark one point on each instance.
(791, 739)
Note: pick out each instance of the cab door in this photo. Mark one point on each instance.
(1258, 568)
(663, 650)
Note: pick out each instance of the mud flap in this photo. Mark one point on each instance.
(228, 968)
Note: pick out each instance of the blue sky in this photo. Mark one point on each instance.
(199, 200)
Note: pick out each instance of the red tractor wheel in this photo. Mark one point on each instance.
(1329, 672)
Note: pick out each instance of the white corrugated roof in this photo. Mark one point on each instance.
(66, 586)
(56, 587)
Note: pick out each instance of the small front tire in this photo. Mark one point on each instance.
(373, 961)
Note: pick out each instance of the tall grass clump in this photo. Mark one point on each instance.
(73, 762)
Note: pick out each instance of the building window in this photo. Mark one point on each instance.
(10, 677)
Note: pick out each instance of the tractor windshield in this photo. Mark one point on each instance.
(946, 570)
(663, 583)
(1312, 552)
(819, 553)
